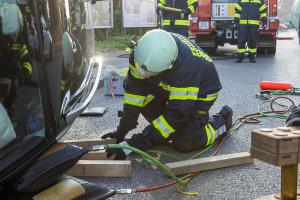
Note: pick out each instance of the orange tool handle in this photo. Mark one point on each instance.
(269, 85)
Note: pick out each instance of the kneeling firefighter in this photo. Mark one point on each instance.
(173, 84)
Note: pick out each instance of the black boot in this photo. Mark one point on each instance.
(240, 58)
(252, 60)
(226, 113)
(251, 57)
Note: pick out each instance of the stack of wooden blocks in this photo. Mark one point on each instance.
(96, 163)
(281, 147)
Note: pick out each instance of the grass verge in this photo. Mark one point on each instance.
(112, 43)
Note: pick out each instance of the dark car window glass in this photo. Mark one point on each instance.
(21, 106)
(68, 53)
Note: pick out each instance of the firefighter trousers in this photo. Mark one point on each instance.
(247, 34)
(182, 30)
(199, 131)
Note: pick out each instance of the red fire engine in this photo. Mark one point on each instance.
(212, 26)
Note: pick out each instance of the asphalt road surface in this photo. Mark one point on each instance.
(240, 83)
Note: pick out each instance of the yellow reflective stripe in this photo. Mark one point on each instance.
(263, 15)
(134, 100)
(210, 97)
(210, 133)
(128, 50)
(237, 15)
(263, 7)
(164, 2)
(238, 7)
(83, 26)
(163, 126)
(23, 51)
(134, 72)
(149, 98)
(178, 22)
(243, 21)
(27, 66)
(253, 22)
(62, 85)
(188, 93)
(207, 135)
(252, 50)
(241, 50)
(124, 72)
(190, 2)
(191, 7)
(167, 22)
(213, 133)
(250, 1)
(182, 22)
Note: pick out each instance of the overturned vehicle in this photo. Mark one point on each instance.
(48, 75)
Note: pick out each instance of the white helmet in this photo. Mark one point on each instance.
(11, 20)
(155, 52)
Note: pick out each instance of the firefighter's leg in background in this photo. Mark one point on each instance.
(243, 38)
(200, 131)
(252, 43)
(180, 30)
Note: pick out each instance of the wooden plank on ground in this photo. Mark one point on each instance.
(103, 168)
(90, 143)
(277, 196)
(210, 163)
(96, 155)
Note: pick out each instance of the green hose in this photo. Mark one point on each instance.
(150, 160)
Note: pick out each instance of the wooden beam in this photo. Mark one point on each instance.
(103, 168)
(209, 163)
(90, 143)
(97, 155)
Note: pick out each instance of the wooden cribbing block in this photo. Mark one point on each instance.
(103, 168)
(210, 163)
(277, 196)
(90, 143)
(278, 146)
(97, 155)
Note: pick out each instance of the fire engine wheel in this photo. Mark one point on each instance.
(261, 50)
(271, 50)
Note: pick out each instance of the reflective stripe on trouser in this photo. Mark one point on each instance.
(192, 136)
(248, 34)
(213, 134)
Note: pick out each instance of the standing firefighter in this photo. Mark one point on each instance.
(15, 65)
(173, 84)
(248, 14)
(177, 22)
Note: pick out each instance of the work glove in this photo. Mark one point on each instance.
(117, 134)
(120, 154)
(294, 118)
